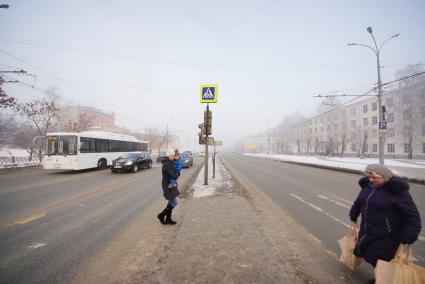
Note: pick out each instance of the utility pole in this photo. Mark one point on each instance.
(208, 94)
(381, 121)
(206, 144)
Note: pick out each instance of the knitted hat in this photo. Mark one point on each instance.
(379, 170)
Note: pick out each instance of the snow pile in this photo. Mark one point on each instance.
(222, 180)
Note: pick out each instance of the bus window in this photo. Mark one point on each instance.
(51, 145)
(87, 145)
(68, 145)
(102, 145)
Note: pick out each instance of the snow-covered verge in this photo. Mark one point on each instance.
(222, 179)
(16, 158)
(408, 168)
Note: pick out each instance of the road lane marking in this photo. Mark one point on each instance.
(421, 238)
(110, 186)
(320, 210)
(334, 201)
(37, 245)
(349, 203)
(29, 219)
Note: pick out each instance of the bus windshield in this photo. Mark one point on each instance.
(61, 145)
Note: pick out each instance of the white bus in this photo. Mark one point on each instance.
(88, 149)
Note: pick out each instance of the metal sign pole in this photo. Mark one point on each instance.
(206, 147)
(213, 157)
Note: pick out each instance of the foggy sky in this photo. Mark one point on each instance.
(145, 60)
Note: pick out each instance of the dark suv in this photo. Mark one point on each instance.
(132, 161)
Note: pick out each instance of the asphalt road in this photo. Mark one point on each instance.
(51, 223)
(318, 199)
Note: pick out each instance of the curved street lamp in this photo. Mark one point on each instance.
(377, 51)
(4, 6)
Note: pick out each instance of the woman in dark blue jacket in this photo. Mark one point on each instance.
(389, 215)
(170, 193)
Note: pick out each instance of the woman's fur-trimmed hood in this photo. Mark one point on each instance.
(394, 184)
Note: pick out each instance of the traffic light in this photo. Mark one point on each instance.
(208, 122)
(202, 139)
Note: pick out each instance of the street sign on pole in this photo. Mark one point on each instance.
(209, 93)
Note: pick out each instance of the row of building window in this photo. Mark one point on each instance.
(390, 148)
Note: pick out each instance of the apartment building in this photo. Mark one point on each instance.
(352, 130)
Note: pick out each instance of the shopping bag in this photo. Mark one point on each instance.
(347, 244)
(400, 269)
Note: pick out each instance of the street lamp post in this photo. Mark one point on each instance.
(377, 51)
(268, 136)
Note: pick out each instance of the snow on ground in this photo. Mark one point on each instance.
(351, 163)
(222, 180)
(15, 152)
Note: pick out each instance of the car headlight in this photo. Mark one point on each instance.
(129, 163)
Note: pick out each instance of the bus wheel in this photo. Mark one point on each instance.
(101, 164)
(135, 169)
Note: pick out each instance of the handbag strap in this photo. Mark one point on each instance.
(404, 254)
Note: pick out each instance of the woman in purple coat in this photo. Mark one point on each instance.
(389, 215)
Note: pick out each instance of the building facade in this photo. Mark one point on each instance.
(352, 130)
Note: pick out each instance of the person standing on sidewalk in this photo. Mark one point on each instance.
(170, 193)
(389, 215)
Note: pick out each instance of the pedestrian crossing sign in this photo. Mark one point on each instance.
(209, 93)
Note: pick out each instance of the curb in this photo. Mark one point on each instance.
(15, 168)
(350, 171)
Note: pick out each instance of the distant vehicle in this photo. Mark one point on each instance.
(133, 161)
(161, 156)
(187, 160)
(87, 149)
(201, 154)
(188, 152)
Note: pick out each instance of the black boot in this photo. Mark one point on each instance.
(162, 215)
(168, 219)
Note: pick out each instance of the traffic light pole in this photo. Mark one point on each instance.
(206, 147)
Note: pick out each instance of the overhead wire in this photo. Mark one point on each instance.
(81, 90)
(318, 67)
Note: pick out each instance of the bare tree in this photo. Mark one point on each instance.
(85, 121)
(410, 109)
(5, 100)
(154, 137)
(40, 114)
(343, 144)
(8, 126)
(25, 137)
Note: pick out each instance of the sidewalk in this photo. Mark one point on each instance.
(225, 233)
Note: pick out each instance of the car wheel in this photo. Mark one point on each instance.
(113, 171)
(135, 169)
(149, 165)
